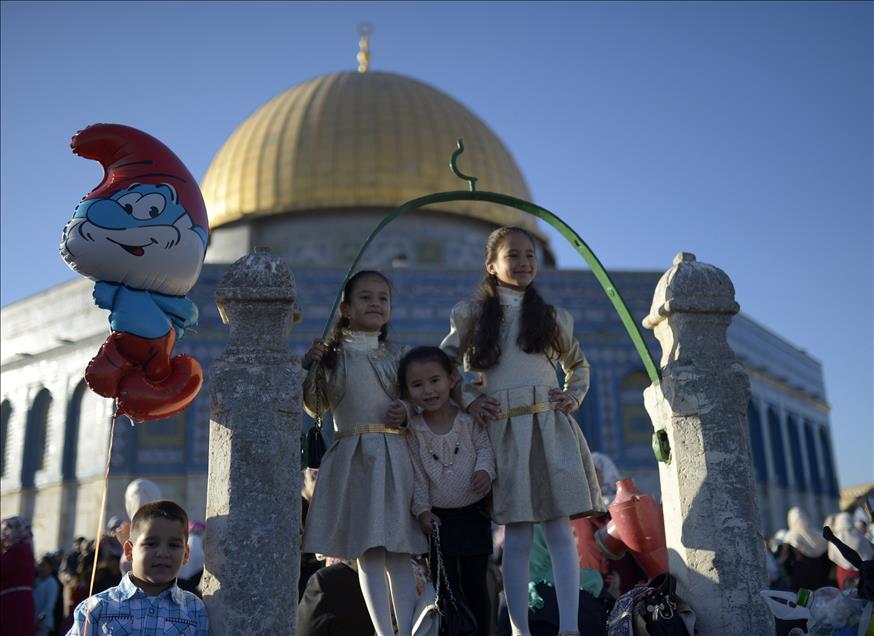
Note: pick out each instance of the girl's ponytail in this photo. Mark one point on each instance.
(485, 343)
(538, 328)
(334, 343)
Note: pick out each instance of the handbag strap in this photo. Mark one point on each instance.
(441, 568)
(664, 583)
(320, 381)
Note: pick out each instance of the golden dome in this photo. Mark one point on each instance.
(358, 140)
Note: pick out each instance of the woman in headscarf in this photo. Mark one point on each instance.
(137, 494)
(804, 551)
(608, 475)
(17, 575)
(842, 525)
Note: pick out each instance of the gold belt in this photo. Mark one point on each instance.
(542, 407)
(371, 428)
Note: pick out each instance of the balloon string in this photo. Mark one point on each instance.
(100, 522)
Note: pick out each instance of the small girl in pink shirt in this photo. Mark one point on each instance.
(454, 467)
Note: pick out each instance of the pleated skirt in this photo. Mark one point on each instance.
(543, 464)
(363, 499)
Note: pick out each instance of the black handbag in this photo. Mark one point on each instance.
(314, 446)
(652, 610)
(456, 618)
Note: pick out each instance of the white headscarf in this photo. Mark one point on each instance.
(16, 530)
(803, 535)
(608, 474)
(140, 492)
(843, 527)
(195, 557)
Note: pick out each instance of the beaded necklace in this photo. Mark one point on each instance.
(447, 466)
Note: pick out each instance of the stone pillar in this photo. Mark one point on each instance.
(712, 523)
(252, 544)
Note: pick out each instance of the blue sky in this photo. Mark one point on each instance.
(741, 132)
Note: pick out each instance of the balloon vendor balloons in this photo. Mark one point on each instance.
(141, 234)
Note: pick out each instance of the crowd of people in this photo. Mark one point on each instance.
(457, 466)
(798, 556)
(40, 596)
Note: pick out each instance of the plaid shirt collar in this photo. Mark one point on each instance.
(127, 589)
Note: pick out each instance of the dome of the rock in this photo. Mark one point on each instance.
(342, 150)
(358, 140)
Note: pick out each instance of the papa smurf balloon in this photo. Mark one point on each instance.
(142, 235)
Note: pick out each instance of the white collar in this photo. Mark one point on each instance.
(510, 297)
(361, 340)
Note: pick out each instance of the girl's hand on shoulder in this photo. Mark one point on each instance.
(426, 519)
(484, 409)
(314, 354)
(481, 483)
(562, 401)
(396, 414)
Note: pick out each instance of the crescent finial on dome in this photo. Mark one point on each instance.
(365, 30)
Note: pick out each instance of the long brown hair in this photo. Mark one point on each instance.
(335, 340)
(538, 329)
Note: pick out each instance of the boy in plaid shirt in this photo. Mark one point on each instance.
(148, 601)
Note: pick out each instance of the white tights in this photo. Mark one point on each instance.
(373, 566)
(565, 571)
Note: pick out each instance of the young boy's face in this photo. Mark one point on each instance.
(158, 551)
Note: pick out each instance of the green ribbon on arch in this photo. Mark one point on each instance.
(535, 210)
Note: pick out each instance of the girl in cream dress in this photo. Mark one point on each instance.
(509, 341)
(361, 507)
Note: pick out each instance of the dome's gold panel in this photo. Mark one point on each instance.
(358, 140)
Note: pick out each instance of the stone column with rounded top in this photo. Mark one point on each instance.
(252, 544)
(715, 544)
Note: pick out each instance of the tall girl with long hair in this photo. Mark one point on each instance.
(509, 341)
(361, 507)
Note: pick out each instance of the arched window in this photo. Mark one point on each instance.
(776, 435)
(87, 457)
(795, 449)
(160, 445)
(71, 433)
(5, 416)
(830, 478)
(818, 483)
(757, 442)
(634, 421)
(35, 437)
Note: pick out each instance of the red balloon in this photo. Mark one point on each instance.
(147, 383)
(141, 399)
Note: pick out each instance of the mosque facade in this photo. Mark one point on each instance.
(308, 176)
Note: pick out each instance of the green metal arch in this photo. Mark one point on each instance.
(542, 213)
